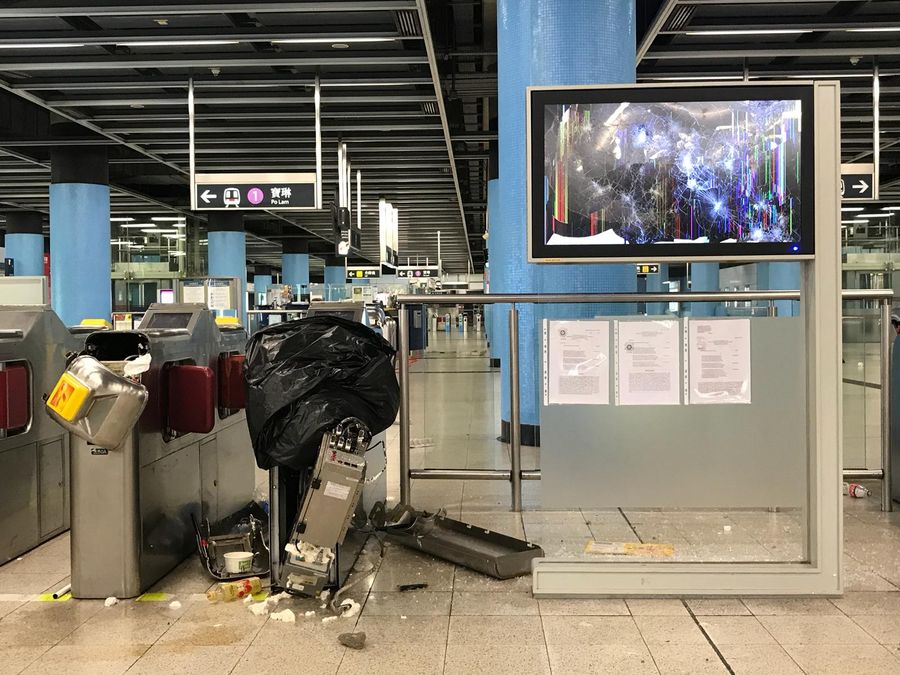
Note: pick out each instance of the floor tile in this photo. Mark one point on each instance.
(391, 659)
(411, 603)
(45, 623)
(885, 628)
(9, 606)
(127, 623)
(469, 580)
(16, 659)
(815, 630)
(735, 630)
(497, 660)
(591, 630)
(306, 630)
(682, 659)
(394, 629)
(759, 660)
(590, 659)
(791, 606)
(493, 604)
(718, 607)
(411, 567)
(214, 624)
(582, 607)
(656, 607)
(14, 582)
(495, 630)
(840, 659)
(90, 660)
(290, 658)
(868, 603)
(189, 660)
(669, 629)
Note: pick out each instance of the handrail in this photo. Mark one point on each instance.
(608, 298)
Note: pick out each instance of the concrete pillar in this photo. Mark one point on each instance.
(295, 265)
(25, 242)
(227, 250)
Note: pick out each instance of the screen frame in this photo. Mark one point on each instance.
(538, 97)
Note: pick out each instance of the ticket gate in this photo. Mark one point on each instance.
(187, 457)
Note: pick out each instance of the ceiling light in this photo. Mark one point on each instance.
(137, 226)
(177, 43)
(333, 40)
(873, 215)
(695, 78)
(882, 29)
(167, 231)
(340, 45)
(851, 208)
(121, 219)
(167, 219)
(853, 222)
(42, 45)
(750, 31)
(180, 225)
(151, 230)
(891, 208)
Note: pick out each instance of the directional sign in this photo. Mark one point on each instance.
(858, 182)
(644, 270)
(363, 273)
(245, 191)
(418, 272)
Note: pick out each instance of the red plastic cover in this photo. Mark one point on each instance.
(232, 394)
(191, 394)
(14, 397)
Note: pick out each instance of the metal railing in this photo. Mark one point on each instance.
(515, 474)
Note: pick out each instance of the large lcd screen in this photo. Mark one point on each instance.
(720, 172)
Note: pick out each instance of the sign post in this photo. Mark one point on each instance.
(247, 191)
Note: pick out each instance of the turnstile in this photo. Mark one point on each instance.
(187, 457)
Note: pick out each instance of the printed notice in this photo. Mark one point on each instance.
(719, 358)
(193, 292)
(219, 296)
(577, 362)
(648, 363)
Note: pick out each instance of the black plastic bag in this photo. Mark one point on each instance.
(305, 376)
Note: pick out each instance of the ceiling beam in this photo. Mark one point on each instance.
(33, 9)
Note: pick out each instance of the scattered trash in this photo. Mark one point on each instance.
(324, 595)
(310, 613)
(329, 619)
(260, 608)
(273, 600)
(174, 605)
(350, 608)
(411, 587)
(353, 640)
(109, 602)
(728, 528)
(629, 548)
(403, 616)
(248, 599)
(235, 590)
(856, 490)
(285, 615)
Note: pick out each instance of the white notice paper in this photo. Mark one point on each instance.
(648, 363)
(577, 363)
(219, 296)
(719, 357)
(193, 292)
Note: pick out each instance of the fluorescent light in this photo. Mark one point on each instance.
(883, 29)
(752, 31)
(891, 208)
(873, 215)
(42, 45)
(851, 208)
(137, 226)
(695, 78)
(180, 225)
(330, 40)
(177, 43)
(177, 253)
(151, 230)
(121, 219)
(854, 222)
(167, 219)
(166, 231)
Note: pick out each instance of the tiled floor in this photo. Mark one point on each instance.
(465, 622)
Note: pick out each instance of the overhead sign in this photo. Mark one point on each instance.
(363, 273)
(644, 270)
(250, 191)
(418, 272)
(858, 182)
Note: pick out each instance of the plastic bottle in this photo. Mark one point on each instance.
(235, 590)
(856, 490)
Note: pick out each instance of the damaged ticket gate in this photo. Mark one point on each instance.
(159, 440)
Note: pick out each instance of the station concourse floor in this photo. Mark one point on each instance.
(467, 623)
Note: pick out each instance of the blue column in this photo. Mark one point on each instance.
(704, 277)
(25, 242)
(295, 265)
(335, 278)
(548, 42)
(780, 276)
(80, 254)
(227, 250)
(262, 278)
(492, 313)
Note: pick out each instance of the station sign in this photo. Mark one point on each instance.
(254, 191)
(418, 272)
(363, 273)
(858, 182)
(644, 269)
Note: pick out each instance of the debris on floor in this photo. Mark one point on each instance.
(109, 602)
(285, 615)
(353, 640)
(349, 608)
(630, 548)
(174, 605)
(260, 608)
(329, 619)
(310, 613)
(411, 587)
(273, 600)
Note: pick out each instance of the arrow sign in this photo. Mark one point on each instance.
(208, 196)
(249, 191)
(858, 182)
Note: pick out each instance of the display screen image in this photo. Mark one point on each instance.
(672, 172)
(169, 320)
